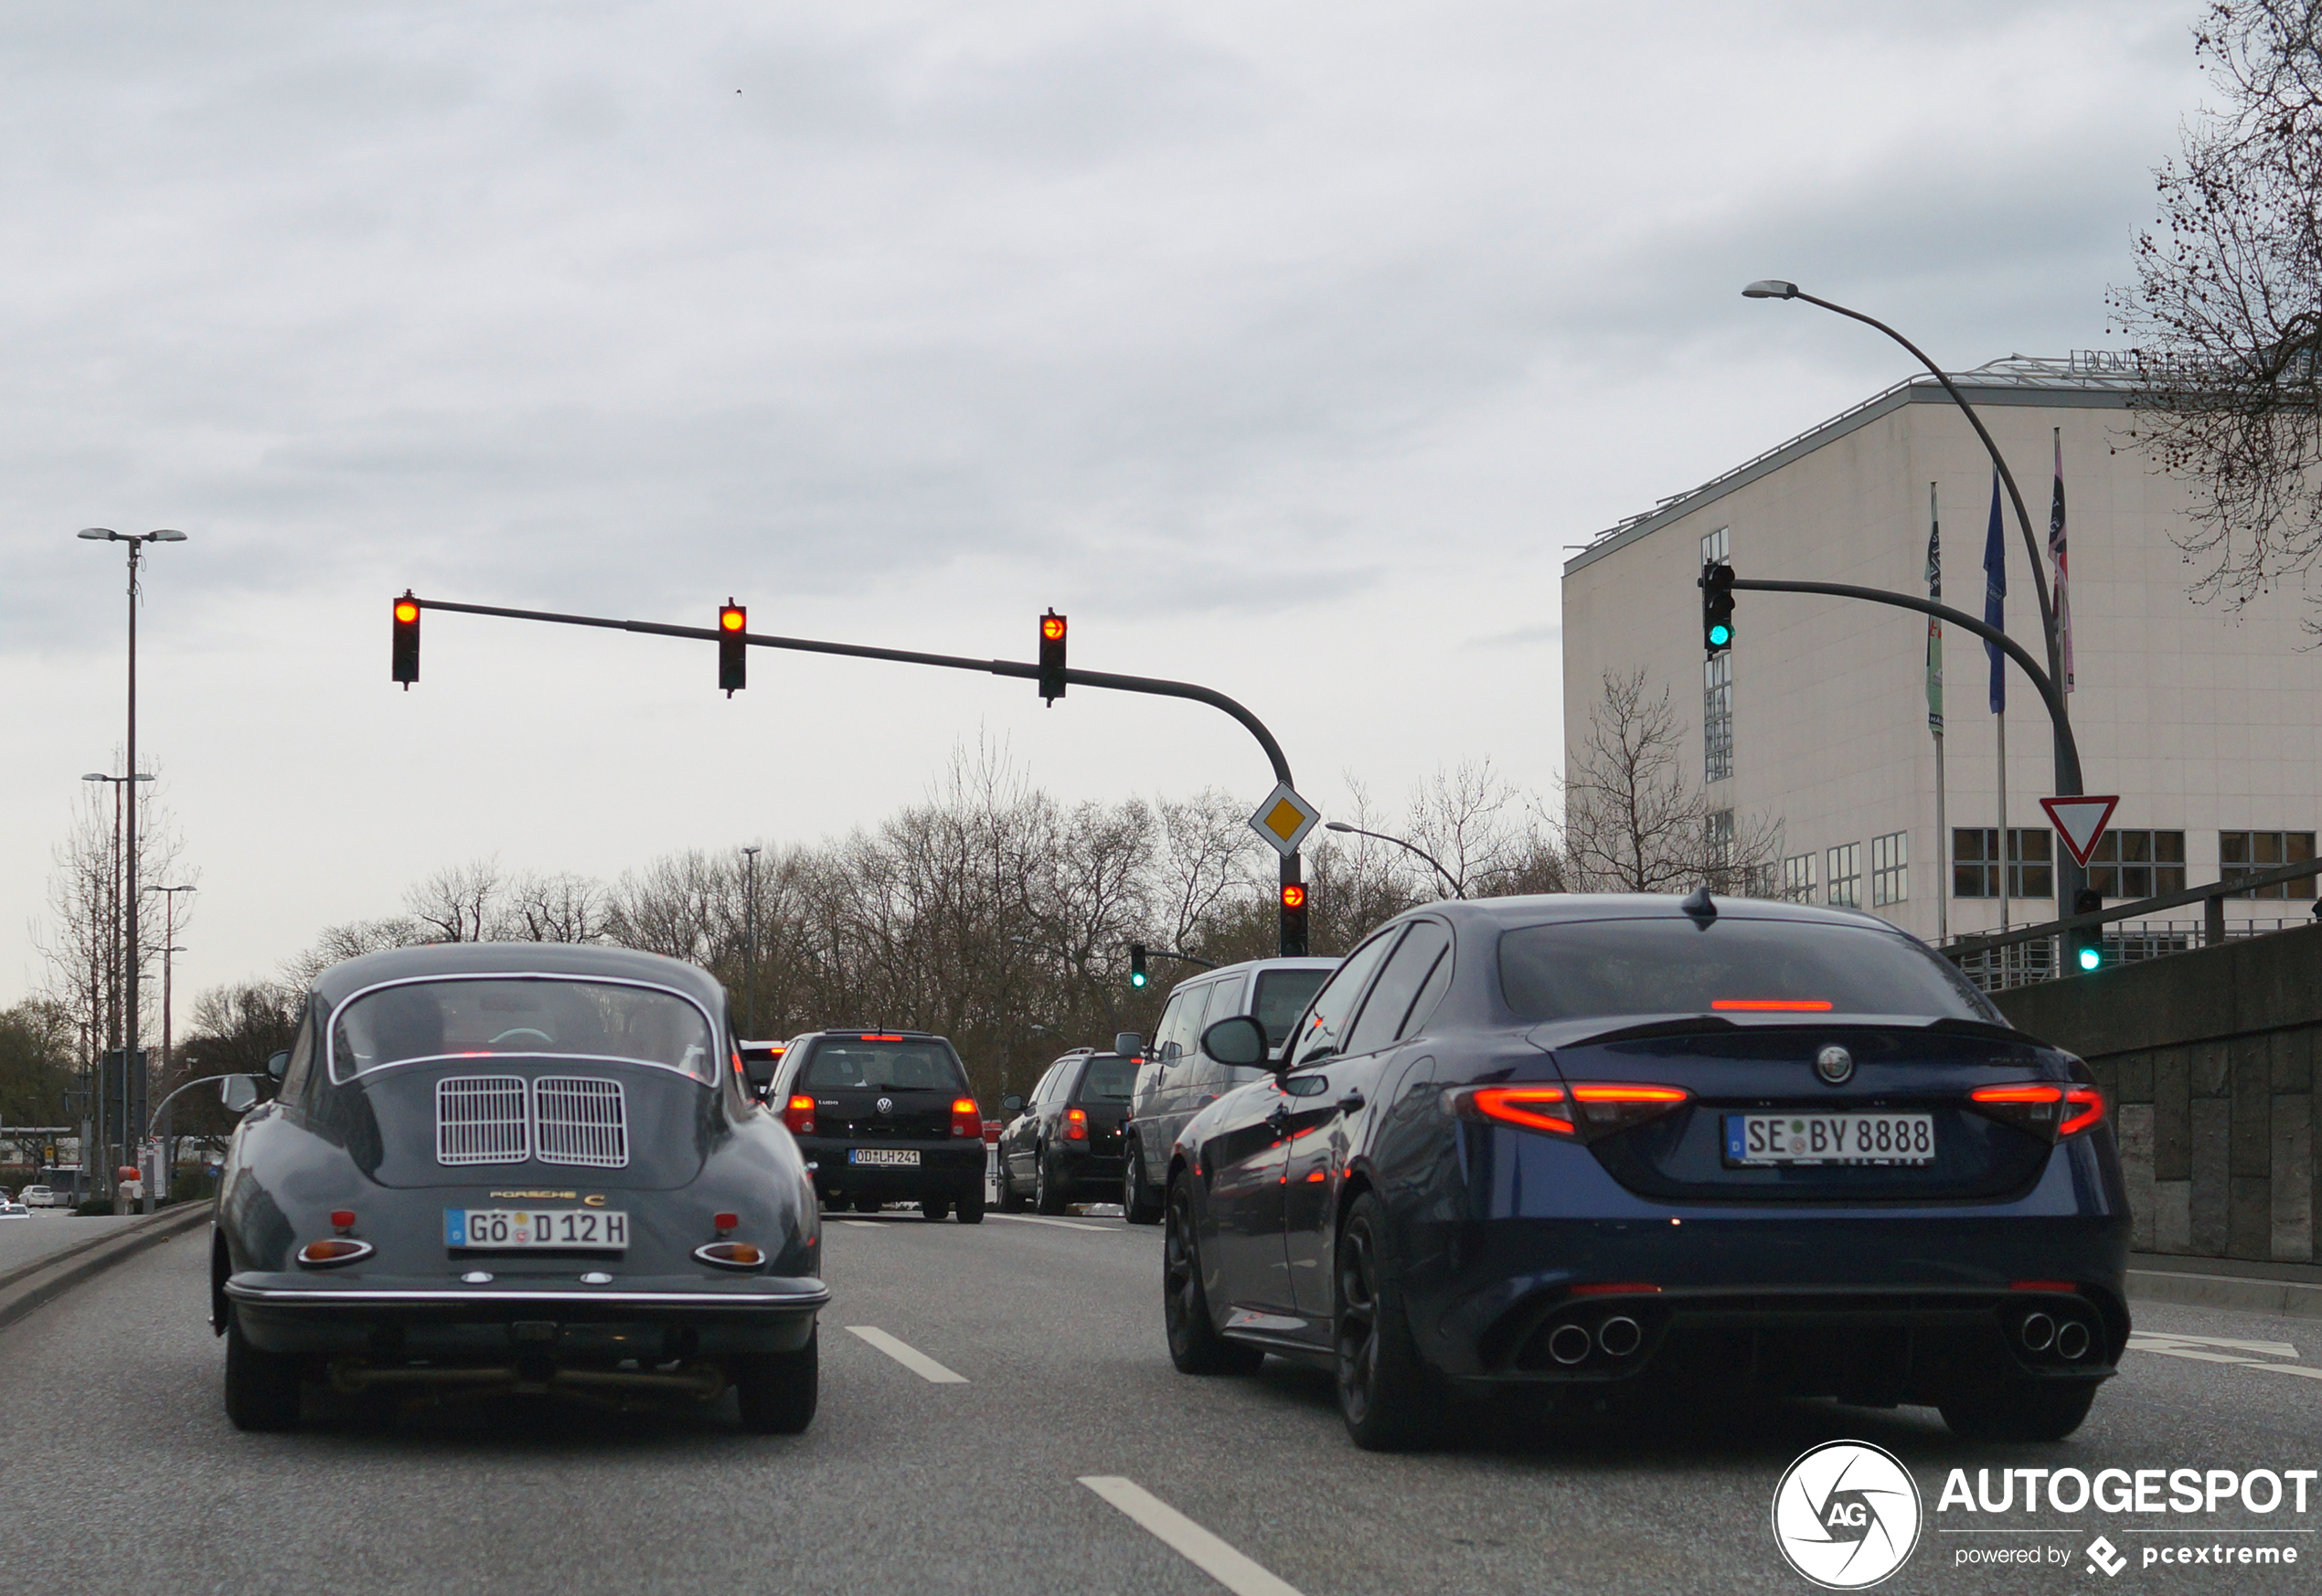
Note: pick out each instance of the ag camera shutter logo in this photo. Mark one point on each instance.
(1847, 1514)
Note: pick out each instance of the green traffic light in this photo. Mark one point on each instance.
(1136, 978)
(1720, 635)
(2089, 958)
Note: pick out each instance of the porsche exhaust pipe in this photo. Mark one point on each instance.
(1620, 1336)
(1568, 1344)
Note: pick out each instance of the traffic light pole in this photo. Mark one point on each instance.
(1152, 685)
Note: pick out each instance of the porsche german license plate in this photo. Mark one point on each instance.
(1795, 1138)
(891, 1157)
(511, 1230)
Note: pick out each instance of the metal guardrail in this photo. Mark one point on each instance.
(2036, 962)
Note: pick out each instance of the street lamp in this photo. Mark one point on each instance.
(2070, 877)
(168, 946)
(749, 938)
(104, 1029)
(136, 542)
(1459, 888)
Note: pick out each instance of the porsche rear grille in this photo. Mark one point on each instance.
(572, 1120)
(580, 1121)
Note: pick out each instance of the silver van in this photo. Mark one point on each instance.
(1178, 1080)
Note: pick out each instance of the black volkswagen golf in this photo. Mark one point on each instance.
(1603, 1144)
(884, 1117)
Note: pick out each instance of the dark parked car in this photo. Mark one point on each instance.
(885, 1117)
(523, 1166)
(1179, 1080)
(1596, 1143)
(1064, 1144)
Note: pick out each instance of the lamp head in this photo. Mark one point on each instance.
(1336, 826)
(99, 534)
(1771, 288)
(96, 776)
(166, 535)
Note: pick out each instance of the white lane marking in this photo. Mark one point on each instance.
(910, 1356)
(2291, 1368)
(1187, 1539)
(2194, 1353)
(1059, 1224)
(2270, 1349)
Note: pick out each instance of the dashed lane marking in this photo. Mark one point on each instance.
(1059, 1224)
(1182, 1536)
(2222, 1349)
(910, 1356)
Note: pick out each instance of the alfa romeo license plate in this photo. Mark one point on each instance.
(1807, 1139)
(891, 1157)
(515, 1230)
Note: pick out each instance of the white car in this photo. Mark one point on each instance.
(15, 1211)
(36, 1196)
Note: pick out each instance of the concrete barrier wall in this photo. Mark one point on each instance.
(2209, 1059)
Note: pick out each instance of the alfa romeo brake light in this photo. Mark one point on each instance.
(1587, 1110)
(1772, 1005)
(2044, 1107)
(968, 1119)
(798, 1113)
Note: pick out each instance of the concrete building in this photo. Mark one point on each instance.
(2201, 716)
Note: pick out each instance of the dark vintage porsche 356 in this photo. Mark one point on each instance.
(522, 1168)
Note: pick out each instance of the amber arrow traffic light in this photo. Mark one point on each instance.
(733, 653)
(1051, 657)
(406, 640)
(1294, 920)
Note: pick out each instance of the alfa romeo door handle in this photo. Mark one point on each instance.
(1280, 1117)
(1351, 1102)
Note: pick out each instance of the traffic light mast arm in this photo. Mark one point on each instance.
(2068, 778)
(1154, 685)
(1180, 958)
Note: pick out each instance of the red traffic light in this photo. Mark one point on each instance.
(406, 611)
(733, 618)
(1052, 627)
(1293, 894)
(1051, 657)
(733, 664)
(405, 652)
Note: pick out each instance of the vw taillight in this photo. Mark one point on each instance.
(968, 1119)
(798, 1113)
(1076, 1125)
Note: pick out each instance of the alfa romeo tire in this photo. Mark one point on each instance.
(1195, 1345)
(1386, 1394)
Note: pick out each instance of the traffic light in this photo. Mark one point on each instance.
(1136, 965)
(1717, 609)
(733, 654)
(406, 640)
(1051, 657)
(2087, 943)
(1294, 920)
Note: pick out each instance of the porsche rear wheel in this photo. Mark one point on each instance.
(1195, 1345)
(777, 1390)
(261, 1388)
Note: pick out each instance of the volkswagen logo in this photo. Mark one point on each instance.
(887, 1104)
(1835, 1065)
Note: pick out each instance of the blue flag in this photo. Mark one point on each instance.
(1996, 598)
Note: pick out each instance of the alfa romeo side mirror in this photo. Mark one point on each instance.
(1238, 1040)
(237, 1093)
(278, 1064)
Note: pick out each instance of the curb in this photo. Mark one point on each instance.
(28, 1286)
(2240, 1292)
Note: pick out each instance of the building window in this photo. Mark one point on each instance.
(2253, 852)
(1715, 546)
(2137, 864)
(1799, 878)
(1974, 862)
(1846, 876)
(1890, 869)
(1717, 718)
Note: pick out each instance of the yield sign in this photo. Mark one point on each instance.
(2081, 820)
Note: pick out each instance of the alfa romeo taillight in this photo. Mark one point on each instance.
(968, 1119)
(1586, 1111)
(1076, 1125)
(2046, 1108)
(798, 1113)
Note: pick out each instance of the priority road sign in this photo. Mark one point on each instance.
(2081, 820)
(1284, 819)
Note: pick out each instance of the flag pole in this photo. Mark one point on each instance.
(1934, 718)
(2003, 823)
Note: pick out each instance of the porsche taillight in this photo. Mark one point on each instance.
(2049, 1110)
(798, 1113)
(1076, 1125)
(1585, 1111)
(968, 1119)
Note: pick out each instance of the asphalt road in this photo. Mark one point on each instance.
(126, 1476)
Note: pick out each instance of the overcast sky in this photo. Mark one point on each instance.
(1284, 346)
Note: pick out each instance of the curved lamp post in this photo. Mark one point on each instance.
(1458, 887)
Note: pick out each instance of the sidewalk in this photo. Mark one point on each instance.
(50, 1231)
(2243, 1285)
(49, 1254)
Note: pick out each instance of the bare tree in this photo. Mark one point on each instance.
(461, 903)
(1492, 842)
(1633, 823)
(559, 908)
(2227, 308)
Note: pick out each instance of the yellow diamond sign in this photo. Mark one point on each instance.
(1284, 819)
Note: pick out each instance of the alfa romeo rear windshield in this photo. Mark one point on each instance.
(919, 1065)
(1595, 969)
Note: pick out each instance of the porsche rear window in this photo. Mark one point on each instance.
(1593, 969)
(533, 1015)
(913, 1066)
